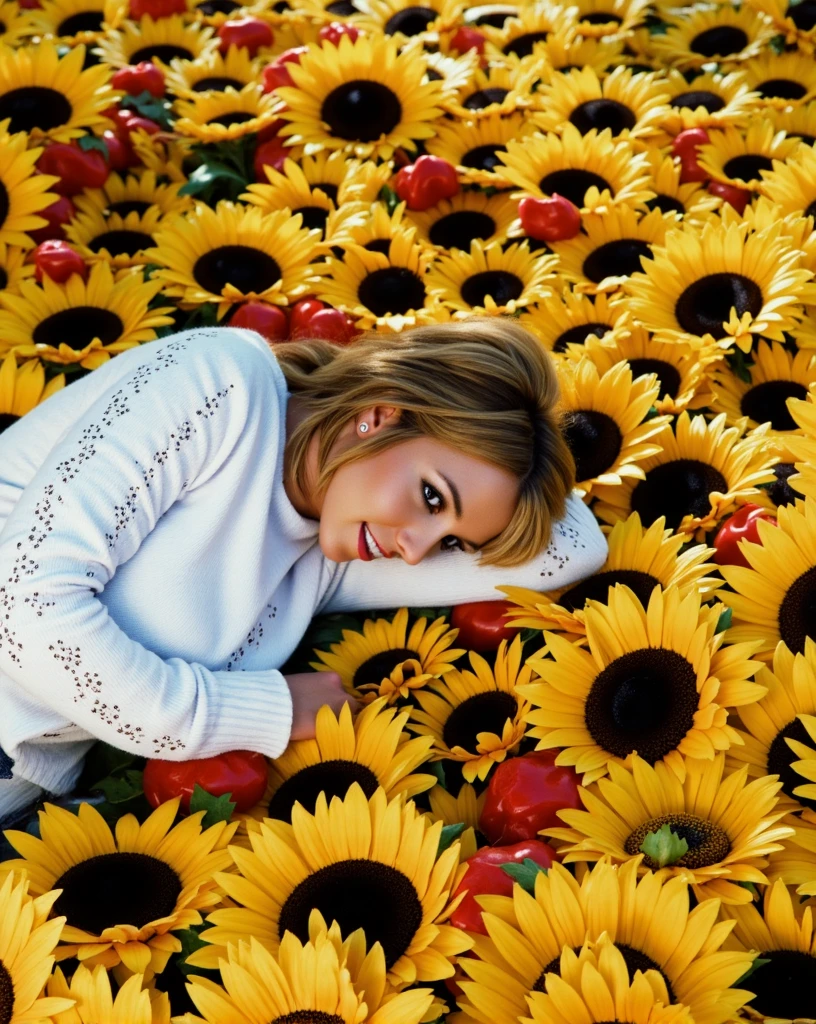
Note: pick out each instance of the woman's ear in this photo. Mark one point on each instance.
(377, 418)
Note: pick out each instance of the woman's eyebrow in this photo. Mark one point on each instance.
(457, 501)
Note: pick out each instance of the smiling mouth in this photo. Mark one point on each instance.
(367, 545)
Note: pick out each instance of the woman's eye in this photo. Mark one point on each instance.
(433, 499)
(451, 543)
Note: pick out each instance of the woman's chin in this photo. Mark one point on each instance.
(335, 550)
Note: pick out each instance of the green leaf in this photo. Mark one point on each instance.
(101, 761)
(436, 768)
(118, 789)
(448, 835)
(388, 196)
(529, 633)
(724, 621)
(777, 44)
(207, 175)
(751, 888)
(758, 962)
(90, 142)
(525, 873)
(190, 943)
(650, 415)
(218, 808)
(664, 846)
(148, 105)
(205, 316)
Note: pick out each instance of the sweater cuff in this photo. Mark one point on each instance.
(254, 715)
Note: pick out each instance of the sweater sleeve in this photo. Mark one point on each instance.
(576, 550)
(207, 396)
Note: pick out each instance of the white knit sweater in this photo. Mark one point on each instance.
(154, 575)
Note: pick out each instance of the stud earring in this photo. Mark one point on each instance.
(363, 428)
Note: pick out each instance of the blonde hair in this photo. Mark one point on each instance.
(484, 386)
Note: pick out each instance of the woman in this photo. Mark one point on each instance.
(172, 522)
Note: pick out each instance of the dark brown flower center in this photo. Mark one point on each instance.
(522, 46)
(643, 702)
(781, 88)
(602, 114)
(328, 189)
(5, 206)
(484, 97)
(706, 304)
(313, 216)
(620, 258)
(578, 335)
(500, 285)
(797, 613)
(309, 1017)
(117, 888)
(244, 267)
(330, 777)
(602, 18)
(380, 666)
(78, 326)
(496, 18)
(392, 290)
(780, 491)
(720, 41)
(596, 588)
(595, 442)
(780, 758)
(357, 894)
(85, 21)
(573, 183)
(235, 117)
(699, 98)
(361, 110)
(766, 401)
(748, 166)
(707, 843)
(784, 988)
(382, 245)
(666, 204)
(457, 230)
(803, 14)
(215, 83)
(342, 8)
(161, 51)
(484, 158)
(485, 712)
(6, 995)
(218, 7)
(677, 489)
(127, 206)
(121, 243)
(34, 106)
(411, 21)
(668, 375)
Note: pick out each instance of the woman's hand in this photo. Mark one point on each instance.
(310, 691)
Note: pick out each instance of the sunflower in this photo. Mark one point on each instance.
(682, 370)
(799, 122)
(15, 24)
(13, 266)
(321, 189)
(159, 41)
(91, 990)
(710, 100)
(463, 809)
(491, 279)
(113, 239)
(791, 183)
(452, 72)
(691, 202)
(564, 51)
(594, 983)
(50, 96)
(566, 319)
(775, 376)
(610, 248)
(27, 952)
(467, 217)
(306, 981)
(737, 156)
(729, 824)
(164, 154)
(387, 660)
(801, 445)
(782, 79)
(593, 171)
(212, 72)
(367, 864)
(225, 255)
(529, 26)
(372, 751)
(701, 473)
(653, 682)
(379, 288)
(83, 322)
(466, 710)
(365, 98)
(609, 18)
(496, 89)
(136, 192)
(216, 12)
(725, 282)
(796, 20)
(154, 878)
(23, 192)
(476, 147)
(641, 557)
(77, 21)
(783, 984)
(23, 388)
(604, 422)
(629, 105)
(407, 19)
(726, 33)
(528, 931)
(216, 117)
(772, 600)
(378, 228)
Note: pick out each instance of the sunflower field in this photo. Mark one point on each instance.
(584, 806)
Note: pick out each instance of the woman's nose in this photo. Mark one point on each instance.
(415, 544)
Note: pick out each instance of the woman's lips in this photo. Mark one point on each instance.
(362, 547)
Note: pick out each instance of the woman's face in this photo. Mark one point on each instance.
(412, 500)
